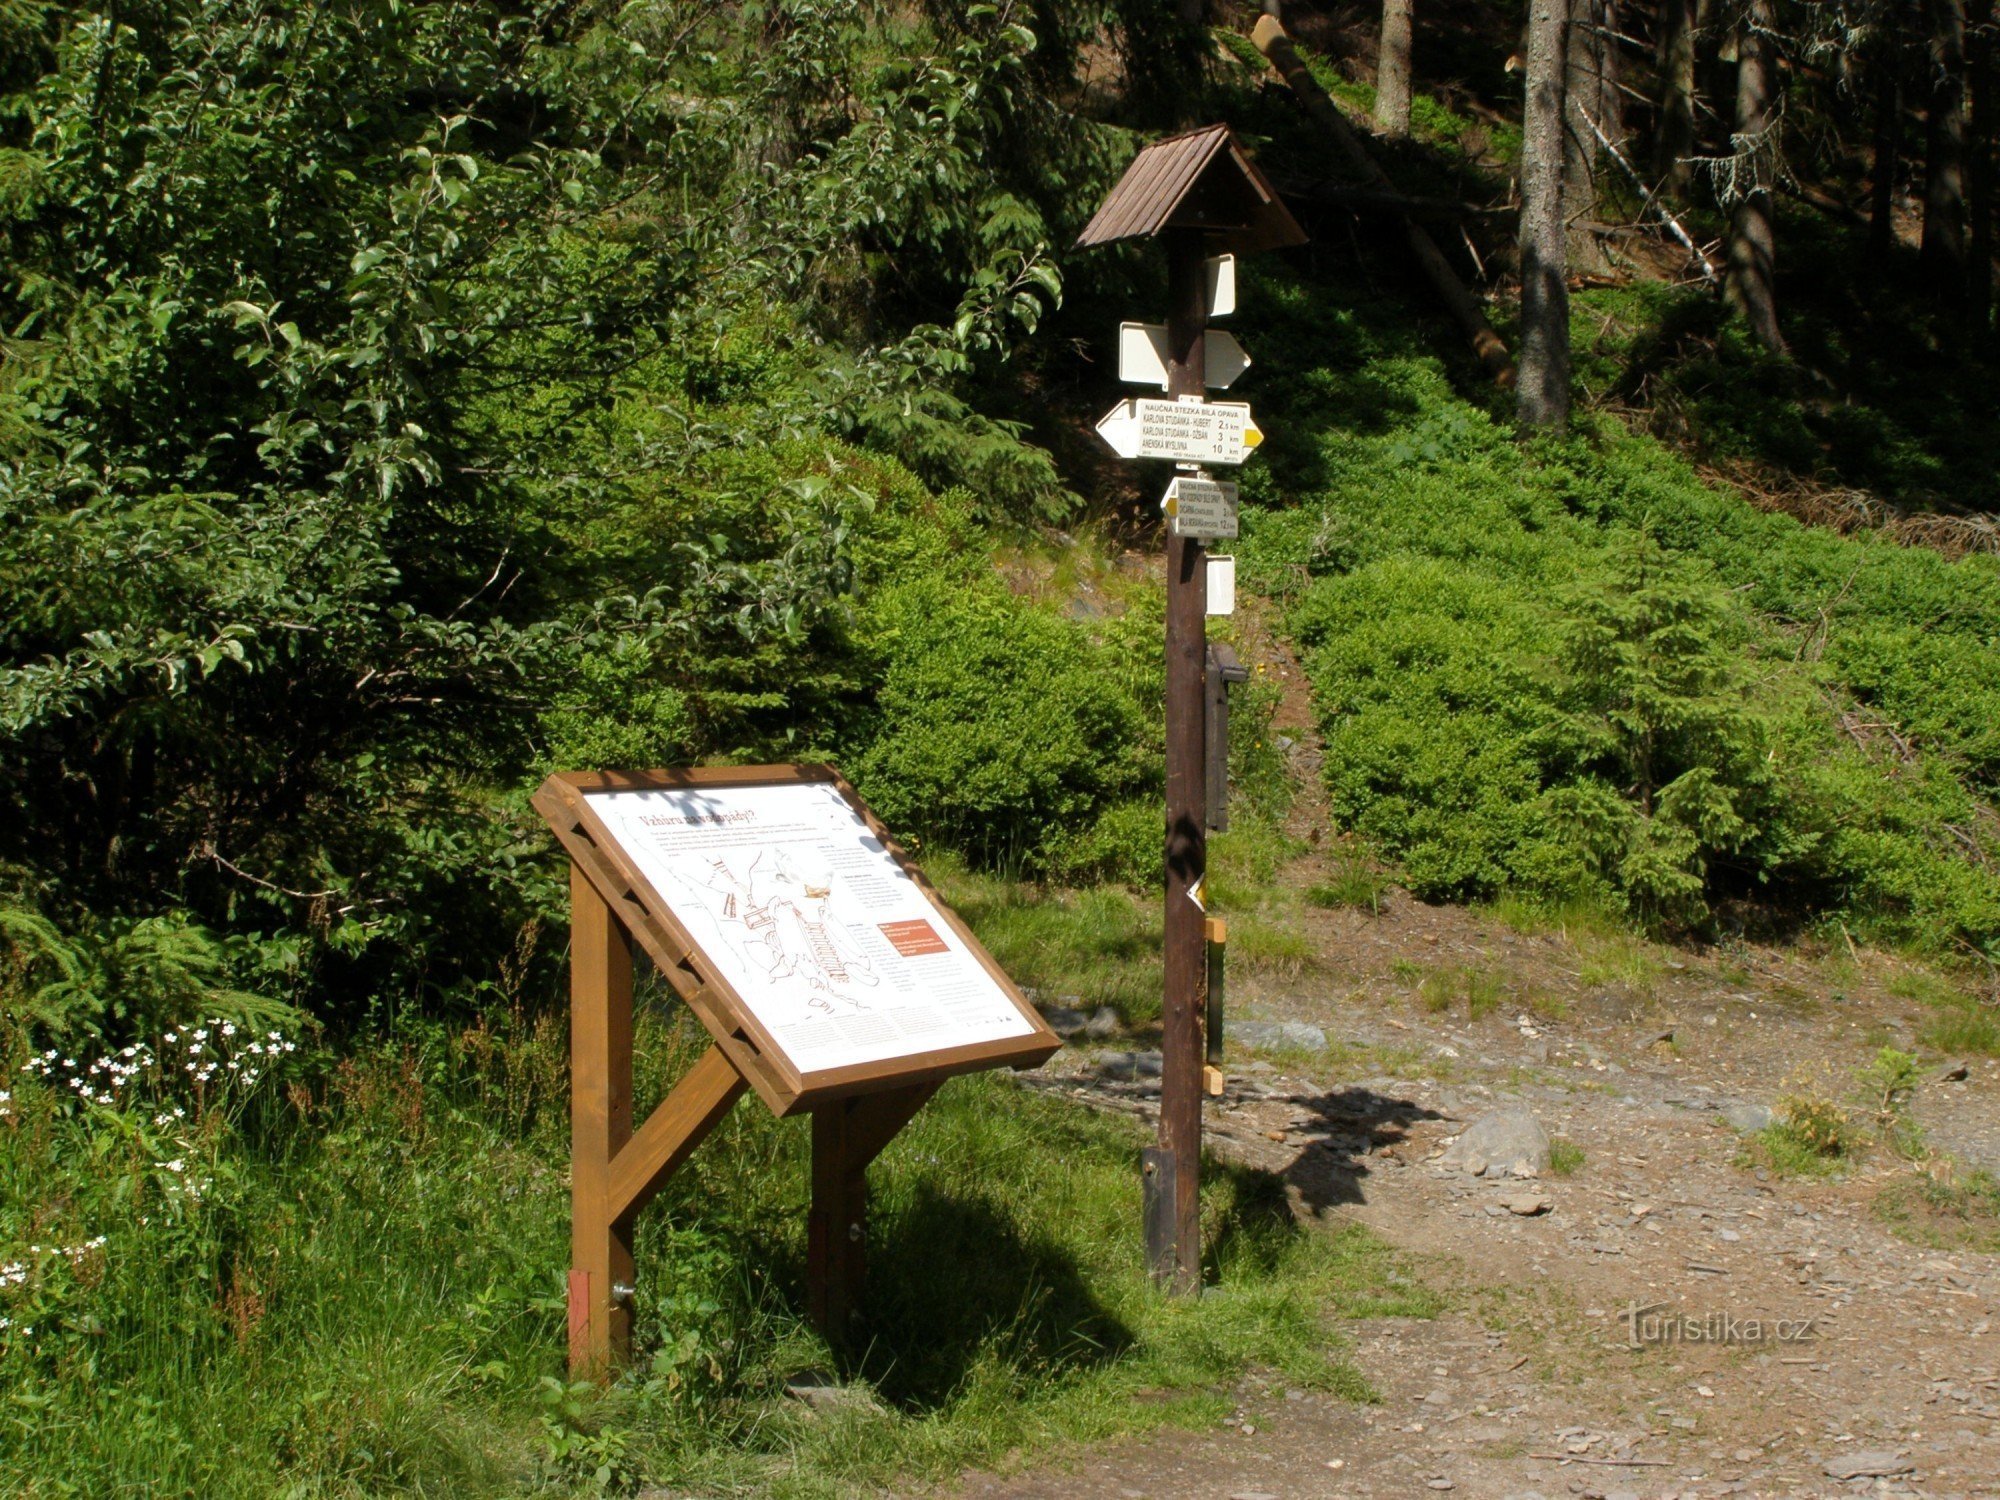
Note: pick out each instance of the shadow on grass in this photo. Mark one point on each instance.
(952, 1282)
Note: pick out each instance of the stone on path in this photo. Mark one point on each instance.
(1065, 1022)
(1746, 1118)
(1527, 1205)
(1495, 1143)
(1129, 1065)
(1870, 1465)
(1294, 1034)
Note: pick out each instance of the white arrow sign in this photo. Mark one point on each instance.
(1142, 356)
(1221, 286)
(1194, 432)
(1200, 508)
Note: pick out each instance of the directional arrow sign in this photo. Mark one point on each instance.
(1200, 508)
(1221, 286)
(1142, 356)
(1194, 432)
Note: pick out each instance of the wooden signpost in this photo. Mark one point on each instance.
(829, 975)
(1201, 194)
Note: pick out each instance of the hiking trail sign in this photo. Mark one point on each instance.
(1197, 506)
(1201, 196)
(1191, 432)
(1143, 357)
(828, 973)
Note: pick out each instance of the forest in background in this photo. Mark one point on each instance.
(399, 401)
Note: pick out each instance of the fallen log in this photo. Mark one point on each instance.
(1284, 58)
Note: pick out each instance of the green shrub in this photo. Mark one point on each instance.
(1576, 672)
(997, 731)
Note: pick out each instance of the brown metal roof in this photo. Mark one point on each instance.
(1201, 179)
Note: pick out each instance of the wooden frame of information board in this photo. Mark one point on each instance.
(617, 1169)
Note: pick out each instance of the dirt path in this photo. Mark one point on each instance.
(1868, 1353)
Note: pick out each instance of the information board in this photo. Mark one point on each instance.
(791, 923)
(824, 936)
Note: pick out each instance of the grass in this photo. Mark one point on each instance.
(366, 1296)
(1102, 945)
(1353, 883)
(1272, 948)
(1944, 1206)
(1811, 1135)
(1566, 1157)
(1435, 575)
(1959, 1024)
(1482, 990)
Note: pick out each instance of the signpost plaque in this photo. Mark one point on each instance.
(1189, 431)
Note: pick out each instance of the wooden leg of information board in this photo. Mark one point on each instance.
(613, 1171)
(600, 1121)
(847, 1134)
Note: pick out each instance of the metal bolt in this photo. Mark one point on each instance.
(623, 1291)
(854, 1234)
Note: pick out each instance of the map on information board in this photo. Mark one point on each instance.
(837, 952)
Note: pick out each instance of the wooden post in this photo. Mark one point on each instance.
(1176, 1263)
(600, 1042)
(847, 1135)
(613, 1172)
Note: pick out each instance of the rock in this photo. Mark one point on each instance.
(1495, 1142)
(1527, 1205)
(1952, 1072)
(1103, 1024)
(1655, 1038)
(1065, 1022)
(1297, 1035)
(822, 1394)
(1129, 1065)
(1873, 1465)
(1746, 1119)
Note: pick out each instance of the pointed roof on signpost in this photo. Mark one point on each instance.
(1202, 179)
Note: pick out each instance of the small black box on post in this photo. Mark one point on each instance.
(1223, 669)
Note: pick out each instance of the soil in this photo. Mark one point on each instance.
(1818, 1334)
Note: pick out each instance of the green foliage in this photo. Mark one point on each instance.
(1578, 673)
(1101, 946)
(1812, 1133)
(403, 399)
(999, 731)
(1672, 762)
(356, 1287)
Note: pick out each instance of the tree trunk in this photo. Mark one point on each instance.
(1194, 12)
(1979, 176)
(1944, 255)
(1888, 151)
(1392, 70)
(1673, 145)
(1753, 240)
(1543, 398)
(1590, 93)
(1584, 49)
